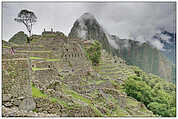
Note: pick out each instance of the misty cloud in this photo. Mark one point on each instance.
(131, 20)
(157, 44)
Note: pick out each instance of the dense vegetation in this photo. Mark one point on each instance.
(19, 38)
(158, 95)
(94, 52)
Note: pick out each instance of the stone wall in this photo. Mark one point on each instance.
(5, 51)
(43, 64)
(15, 80)
(76, 58)
(72, 64)
(45, 55)
(43, 78)
(72, 50)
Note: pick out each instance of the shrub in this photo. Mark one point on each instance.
(138, 89)
(160, 100)
(158, 108)
(94, 53)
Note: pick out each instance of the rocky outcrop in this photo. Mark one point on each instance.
(87, 28)
(15, 112)
(27, 104)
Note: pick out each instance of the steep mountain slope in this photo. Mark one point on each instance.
(19, 38)
(87, 28)
(169, 44)
(144, 55)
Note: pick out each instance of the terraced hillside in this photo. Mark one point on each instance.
(113, 68)
(143, 55)
(54, 77)
(61, 82)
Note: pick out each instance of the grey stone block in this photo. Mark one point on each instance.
(27, 104)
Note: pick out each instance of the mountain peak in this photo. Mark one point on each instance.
(87, 28)
(87, 16)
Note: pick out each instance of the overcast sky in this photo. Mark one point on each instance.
(125, 19)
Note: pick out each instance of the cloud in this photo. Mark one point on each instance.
(157, 44)
(130, 20)
(137, 21)
(57, 15)
(82, 32)
(111, 41)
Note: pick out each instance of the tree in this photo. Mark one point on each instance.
(138, 89)
(28, 18)
(158, 108)
(94, 53)
(160, 98)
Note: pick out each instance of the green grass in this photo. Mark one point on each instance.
(131, 102)
(77, 96)
(37, 69)
(119, 112)
(105, 77)
(58, 101)
(81, 98)
(37, 93)
(112, 99)
(114, 82)
(6, 47)
(94, 93)
(33, 58)
(84, 79)
(46, 59)
(53, 99)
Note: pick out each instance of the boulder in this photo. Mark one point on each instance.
(28, 104)
(6, 97)
(16, 102)
(20, 98)
(8, 104)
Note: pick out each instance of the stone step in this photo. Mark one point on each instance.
(107, 66)
(110, 70)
